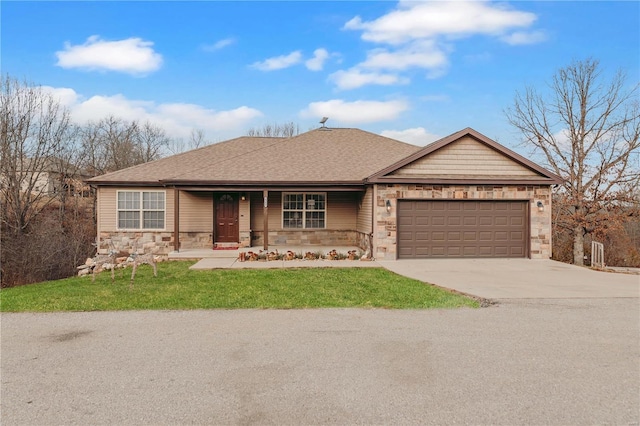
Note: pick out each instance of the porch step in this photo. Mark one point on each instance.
(226, 246)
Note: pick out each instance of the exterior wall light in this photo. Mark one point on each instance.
(243, 196)
(540, 206)
(388, 205)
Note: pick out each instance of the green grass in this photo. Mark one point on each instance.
(178, 287)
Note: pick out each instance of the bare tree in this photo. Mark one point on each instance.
(35, 133)
(587, 128)
(196, 140)
(152, 140)
(113, 144)
(285, 130)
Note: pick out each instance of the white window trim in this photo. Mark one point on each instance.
(141, 210)
(304, 210)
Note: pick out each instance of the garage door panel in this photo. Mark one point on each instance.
(501, 251)
(485, 236)
(422, 220)
(500, 220)
(454, 251)
(421, 236)
(516, 236)
(454, 236)
(500, 236)
(437, 251)
(485, 251)
(462, 228)
(438, 221)
(485, 221)
(470, 221)
(405, 236)
(470, 251)
(406, 220)
(516, 221)
(437, 236)
(470, 206)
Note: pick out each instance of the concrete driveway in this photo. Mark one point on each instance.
(518, 278)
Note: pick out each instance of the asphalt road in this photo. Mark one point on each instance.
(568, 362)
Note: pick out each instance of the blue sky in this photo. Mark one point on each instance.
(415, 71)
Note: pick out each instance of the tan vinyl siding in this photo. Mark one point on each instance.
(340, 214)
(465, 158)
(107, 209)
(244, 224)
(196, 211)
(365, 212)
(275, 211)
(341, 210)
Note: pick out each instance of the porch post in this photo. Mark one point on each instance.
(176, 219)
(265, 213)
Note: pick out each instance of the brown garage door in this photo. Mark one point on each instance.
(462, 229)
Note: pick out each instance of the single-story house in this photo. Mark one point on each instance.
(462, 196)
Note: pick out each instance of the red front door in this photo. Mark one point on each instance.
(226, 218)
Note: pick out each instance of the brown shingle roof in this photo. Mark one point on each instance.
(324, 155)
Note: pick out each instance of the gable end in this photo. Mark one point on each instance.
(465, 157)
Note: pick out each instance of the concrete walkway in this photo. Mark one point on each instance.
(518, 278)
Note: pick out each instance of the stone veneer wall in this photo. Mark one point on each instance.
(153, 242)
(245, 238)
(385, 232)
(319, 237)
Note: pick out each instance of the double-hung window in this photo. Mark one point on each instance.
(304, 210)
(141, 209)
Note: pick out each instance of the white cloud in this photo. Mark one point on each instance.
(177, 119)
(132, 56)
(355, 112)
(420, 20)
(563, 138)
(67, 97)
(422, 54)
(278, 62)
(354, 78)
(220, 44)
(317, 62)
(421, 34)
(523, 37)
(415, 136)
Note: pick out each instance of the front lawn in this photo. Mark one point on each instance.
(178, 287)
